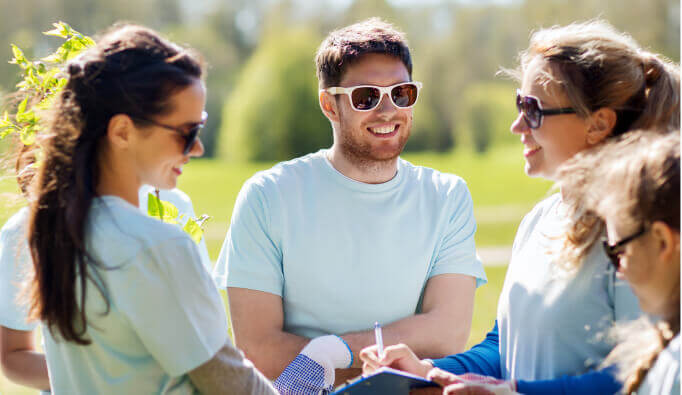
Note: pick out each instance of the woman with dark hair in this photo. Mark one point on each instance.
(125, 301)
(581, 85)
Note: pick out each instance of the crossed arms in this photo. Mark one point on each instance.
(442, 328)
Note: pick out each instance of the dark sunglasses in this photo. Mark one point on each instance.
(367, 97)
(190, 135)
(533, 112)
(614, 251)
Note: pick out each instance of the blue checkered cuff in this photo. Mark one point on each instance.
(303, 376)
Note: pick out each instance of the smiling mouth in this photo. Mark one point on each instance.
(528, 151)
(177, 170)
(384, 131)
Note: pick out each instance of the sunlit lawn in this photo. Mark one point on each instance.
(501, 192)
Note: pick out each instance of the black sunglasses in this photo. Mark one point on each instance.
(367, 97)
(614, 251)
(533, 112)
(190, 135)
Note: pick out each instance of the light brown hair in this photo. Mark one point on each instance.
(636, 177)
(596, 66)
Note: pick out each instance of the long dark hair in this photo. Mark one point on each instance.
(131, 70)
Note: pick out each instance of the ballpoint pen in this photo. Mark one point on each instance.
(379, 339)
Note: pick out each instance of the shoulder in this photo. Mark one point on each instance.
(286, 174)
(545, 208)
(432, 180)
(121, 229)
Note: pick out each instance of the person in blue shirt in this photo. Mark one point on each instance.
(633, 185)
(125, 302)
(317, 243)
(581, 85)
(20, 359)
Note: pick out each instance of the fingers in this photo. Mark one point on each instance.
(466, 389)
(442, 377)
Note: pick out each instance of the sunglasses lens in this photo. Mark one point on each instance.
(404, 95)
(530, 108)
(365, 98)
(191, 138)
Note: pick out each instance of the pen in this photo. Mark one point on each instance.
(379, 339)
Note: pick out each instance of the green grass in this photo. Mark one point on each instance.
(501, 192)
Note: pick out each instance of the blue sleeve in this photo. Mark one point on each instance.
(595, 382)
(483, 358)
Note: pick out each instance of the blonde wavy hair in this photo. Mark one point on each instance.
(596, 66)
(637, 177)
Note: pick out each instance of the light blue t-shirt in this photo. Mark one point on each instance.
(165, 317)
(15, 259)
(664, 377)
(343, 254)
(14, 266)
(552, 323)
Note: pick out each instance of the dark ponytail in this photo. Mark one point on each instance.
(131, 70)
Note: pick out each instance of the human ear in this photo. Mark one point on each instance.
(666, 242)
(328, 106)
(119, 131)
(601, 125)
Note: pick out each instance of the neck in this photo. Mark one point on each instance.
(116, 178)
(361, 169)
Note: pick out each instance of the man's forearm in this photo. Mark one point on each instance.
(272, 353)
(429, 335)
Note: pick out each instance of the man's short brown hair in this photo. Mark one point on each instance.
(344, 46)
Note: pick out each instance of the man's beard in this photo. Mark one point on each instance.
(362, 155)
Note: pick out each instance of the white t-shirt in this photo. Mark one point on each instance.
(344, 254)
(664, 377)
(552, 323)
(165, 315)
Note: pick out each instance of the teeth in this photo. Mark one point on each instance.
(383, 130)
(531, 148)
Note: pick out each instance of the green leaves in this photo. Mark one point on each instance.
(41, 83)
(168, 213)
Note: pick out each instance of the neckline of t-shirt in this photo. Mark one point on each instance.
(350, 183)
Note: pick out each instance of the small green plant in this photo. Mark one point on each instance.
(41, 82)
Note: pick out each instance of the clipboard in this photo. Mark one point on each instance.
(384, 381)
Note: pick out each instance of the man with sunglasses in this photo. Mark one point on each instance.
(337, 240)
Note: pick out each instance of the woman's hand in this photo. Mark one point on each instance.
(398, 356)
(470, 384)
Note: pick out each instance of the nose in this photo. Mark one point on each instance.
(385, 104)
(197, 149)
(519, 126)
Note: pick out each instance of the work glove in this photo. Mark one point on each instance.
(312, 371)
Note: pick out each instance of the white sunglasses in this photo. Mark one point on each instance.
(368, 97)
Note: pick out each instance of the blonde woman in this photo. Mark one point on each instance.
(581, 84)
(634, 186)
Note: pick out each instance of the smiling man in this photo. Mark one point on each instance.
(331, 242)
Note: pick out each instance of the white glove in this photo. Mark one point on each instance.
(312, 371)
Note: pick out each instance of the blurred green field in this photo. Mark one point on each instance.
(502, 194)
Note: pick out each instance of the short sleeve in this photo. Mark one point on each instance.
(457, 253)
(250, 258)
(172, 304)
(15, 265)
